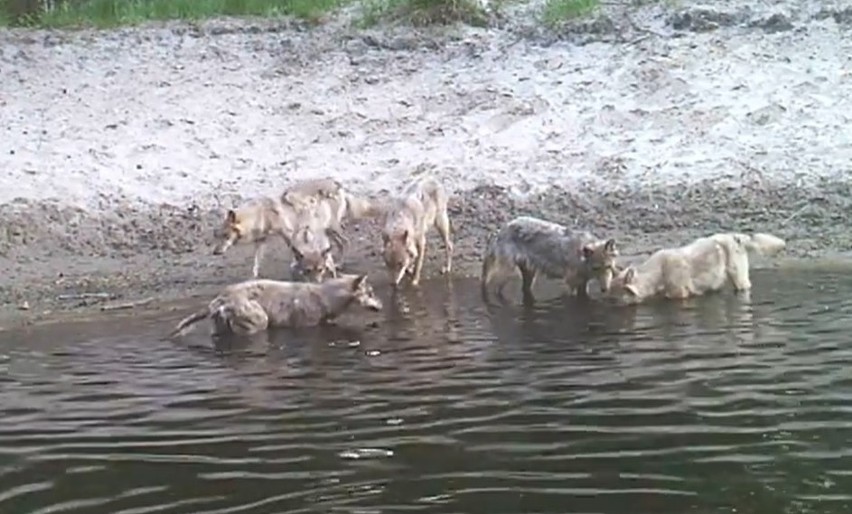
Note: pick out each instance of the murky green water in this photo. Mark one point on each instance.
(723, 405)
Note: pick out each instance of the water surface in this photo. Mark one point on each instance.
(443, 405)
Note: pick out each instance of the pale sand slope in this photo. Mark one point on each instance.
(118, 123)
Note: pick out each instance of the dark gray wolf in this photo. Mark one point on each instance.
(536, 246)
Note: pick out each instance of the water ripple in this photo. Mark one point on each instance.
(724, 403)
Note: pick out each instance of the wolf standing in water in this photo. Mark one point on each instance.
(535, 246)
(704, 265)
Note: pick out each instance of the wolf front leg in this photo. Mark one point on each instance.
(421, 254)
(258, 256)
(442, 221)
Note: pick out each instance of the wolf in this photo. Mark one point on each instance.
(330, 204)
(534, 246)
(253, 222)
(321, 203)
(705, 265)
(256, 305)
(420, 205)
(312, 255)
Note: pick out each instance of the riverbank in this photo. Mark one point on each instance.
(121, 148)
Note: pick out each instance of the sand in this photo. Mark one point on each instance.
(121, 149)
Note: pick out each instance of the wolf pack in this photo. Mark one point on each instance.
(309, 217)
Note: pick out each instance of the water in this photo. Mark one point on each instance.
(723, 405)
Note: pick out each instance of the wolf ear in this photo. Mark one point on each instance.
(629, 275)
(231, 216)
(356, 284)
(588, 251)
(405, 235)
(609, 246)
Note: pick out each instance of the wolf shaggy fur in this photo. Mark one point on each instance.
(534, 246)
(252, 306)
(318, 203)
(705, 265)
(330, 204)
(419, 206)
(312, 255)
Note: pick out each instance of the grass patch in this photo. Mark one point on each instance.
(111, 13)
(557, 11)
(424, 12)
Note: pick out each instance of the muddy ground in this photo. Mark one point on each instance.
(121, 149)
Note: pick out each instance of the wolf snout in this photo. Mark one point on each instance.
(374, 304)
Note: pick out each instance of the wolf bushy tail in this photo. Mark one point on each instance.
(488, 261)
(765, 244)
(359, 207)
(186, 323)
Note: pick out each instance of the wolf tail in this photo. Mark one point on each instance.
(187, 322)
(359, 207)
(764, 244)
(488, 262)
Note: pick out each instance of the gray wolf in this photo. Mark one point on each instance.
(320, 203)
(255, 305)
(420, 205)
(312, 255)
(330, 204)
(707, 264)
(534, 246)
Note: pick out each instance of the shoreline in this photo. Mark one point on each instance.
(69, 287)
(124, 147)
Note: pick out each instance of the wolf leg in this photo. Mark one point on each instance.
(527, 280)
(258, 256)
(421, 254)
(738, 272)
(442, 222)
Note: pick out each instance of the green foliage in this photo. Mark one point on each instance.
(110, 13)
(557, 11)
(424, 12)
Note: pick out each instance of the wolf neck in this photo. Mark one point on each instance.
(335, 300)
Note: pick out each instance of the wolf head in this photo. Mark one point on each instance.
(599, 259)
(230, 232)
(399, 253)
(622, 289)
(364, 294)
(312, 255)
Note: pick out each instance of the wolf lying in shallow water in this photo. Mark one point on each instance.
(256, 305)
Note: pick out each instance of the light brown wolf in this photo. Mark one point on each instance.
(704, 265)
(256, 305)
(330, 204)
(319, 203)
(419, 206)
(534, 246)
(253, 222)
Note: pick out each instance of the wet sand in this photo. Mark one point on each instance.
(121, 149)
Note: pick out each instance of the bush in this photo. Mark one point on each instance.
(425, 12)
